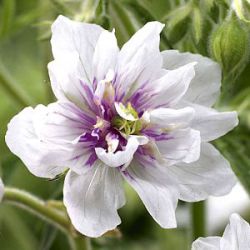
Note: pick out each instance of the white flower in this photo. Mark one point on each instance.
(135, 114)
(236, 237)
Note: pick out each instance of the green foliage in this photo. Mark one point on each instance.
(199, 26)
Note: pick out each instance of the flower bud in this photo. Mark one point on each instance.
(229, 45)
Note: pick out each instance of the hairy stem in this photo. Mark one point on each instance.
(38, 207)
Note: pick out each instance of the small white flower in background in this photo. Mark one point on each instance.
(236, 237)
(132, 113)
(1, 190)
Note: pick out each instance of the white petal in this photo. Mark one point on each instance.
(237, 234)
(62, 122)
(183, 145)
(1, 190)
(211, 123)
(205, 86)
(61, 125)
(236, 237)
(171, 87)
(68, 82)
(120, 157)
(41, 158)
(123, 112)
(156, 192)
(92, 200)
(105, 55)
(140, 58)
(210, 175)
(171, 118)
(75, 38)
(209, 243)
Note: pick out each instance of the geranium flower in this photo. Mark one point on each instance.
(236, 237)
(132, 113)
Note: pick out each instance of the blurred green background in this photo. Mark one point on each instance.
(194, 26)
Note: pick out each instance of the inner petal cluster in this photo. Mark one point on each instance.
(115, 121)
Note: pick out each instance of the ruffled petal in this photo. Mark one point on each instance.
(120, 158)
(236, 234)
(210, 175)
(182, 145)
(211, 123)
(76, 39)
(92, 200)
(65, 125)
(105, 55)
(209, 243)
(139, 59)
(205, 86)
(62, 123)
(172, 86)
(68, 82)
(170, 118)
(43, 159)
(155, 190)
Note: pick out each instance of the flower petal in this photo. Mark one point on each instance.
(139, 59)
(41, 158)
(182, 145)
(171, 118)
(210, 175)
(1, 190)
(92, 200)
(155, 190)
(205, 86)
(68, 82)
(209, 243)
(121, 157)
(65, 125)
(105, 55)
(211, 123)
(172, 86)
(77, 39)
(236, 234)
(62, 123)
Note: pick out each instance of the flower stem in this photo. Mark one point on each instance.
(53, 212)
(198, 211)
(38, 207)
